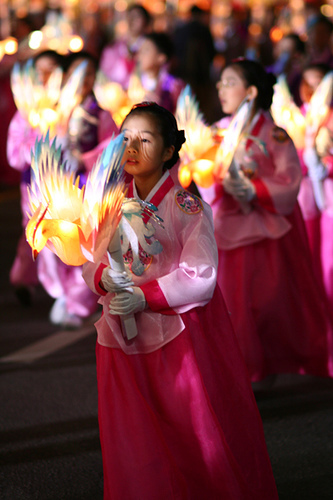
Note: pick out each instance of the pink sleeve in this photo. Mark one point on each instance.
(92, 274)
(192, 283)
(278, 192)
(156, 299)
(20, 141)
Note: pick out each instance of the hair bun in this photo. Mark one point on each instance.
(271, 78)
(180, 139)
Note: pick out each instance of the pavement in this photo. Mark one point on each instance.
(49, 444)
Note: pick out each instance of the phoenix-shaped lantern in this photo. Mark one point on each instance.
(80, 224)
(46, 107)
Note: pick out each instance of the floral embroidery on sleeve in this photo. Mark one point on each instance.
(188, 203)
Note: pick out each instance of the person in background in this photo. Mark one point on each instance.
(152, 58)
(87, 127)
(289, 55)
(89, 124)
(317, 165)
(194, 54)
(117, 59)
(177, 415)
(265, 271)
(319, 42)
(20, 141)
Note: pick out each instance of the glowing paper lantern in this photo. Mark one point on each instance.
(198, 152)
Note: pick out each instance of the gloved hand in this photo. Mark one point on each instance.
(126, 303)
(316, 170)
(240, 187)
(115, 281)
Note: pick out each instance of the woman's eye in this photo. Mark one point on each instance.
(144, 140)
(125, 139)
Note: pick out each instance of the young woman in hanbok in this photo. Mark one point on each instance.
(177, 414)
(152, 71)
(317, 166)
(117, 59)
(21, 139)
(88, 126)
(265, 271)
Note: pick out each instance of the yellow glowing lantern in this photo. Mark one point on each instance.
(198, 152)
(202, 172)
(75, 43)
(10, 45)
(184, 176)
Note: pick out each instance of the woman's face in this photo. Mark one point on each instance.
(232, 90)
(145, 152)
(44, 67)
(148, 56)
(309, 83)
(137, 23)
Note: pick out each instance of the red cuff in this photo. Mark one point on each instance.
(263, 197)
(156, 299)
(97, 279)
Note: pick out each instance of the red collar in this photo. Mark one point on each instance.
(157, 197)
(255, 131)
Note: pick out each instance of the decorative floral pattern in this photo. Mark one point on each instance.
(188, 203)
(144, 257)
(279, 134)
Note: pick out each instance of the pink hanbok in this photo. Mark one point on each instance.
(177, 414)
(278, 308)
(319, 223)
(117, 62)
(20, 141)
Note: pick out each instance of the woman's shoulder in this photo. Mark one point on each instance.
(185, 204)
(274, 132)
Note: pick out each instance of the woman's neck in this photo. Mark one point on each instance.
(144, 185)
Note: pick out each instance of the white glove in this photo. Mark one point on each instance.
(241, 188)
(316, 170)
(115, 281)
(126, 303)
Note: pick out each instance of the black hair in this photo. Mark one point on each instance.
(162, 41)
(300, 45)
(143, 11)
(254, 73)
(52, 54)
(321, 67)
(82, 54)
(321, 20)
(167, 125)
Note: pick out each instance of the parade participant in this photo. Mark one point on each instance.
(317, 166)
(153, 58)
(88, 126)
(176, 411)
(20, 141)
(117, 59)
(265, 272)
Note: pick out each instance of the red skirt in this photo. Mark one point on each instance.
(182, 422)
(277, 305)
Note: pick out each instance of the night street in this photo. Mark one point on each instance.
(48, 418)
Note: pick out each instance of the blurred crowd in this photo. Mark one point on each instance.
(146, 57)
